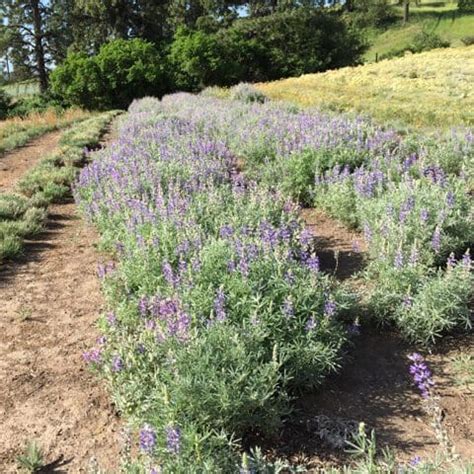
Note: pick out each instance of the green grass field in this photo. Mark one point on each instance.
(22, 89)
(443, 20)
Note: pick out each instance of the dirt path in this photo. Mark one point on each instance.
(49, 304)
(339, 249)
(15, 164)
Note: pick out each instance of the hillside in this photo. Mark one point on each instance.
(444, 21)
(435, 88)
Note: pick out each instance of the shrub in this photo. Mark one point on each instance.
(426, 41)
(466, 6)
(78, 81)
(367, 13)
(121, 71)
(5, 104)
(468, 40)
(36, 104)
(130, 69)
(421, 42)
(292, 43)
(258, 49)
(198, 59)
(247, 93)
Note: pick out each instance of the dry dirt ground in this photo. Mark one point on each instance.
(14, 165)
(50, 300)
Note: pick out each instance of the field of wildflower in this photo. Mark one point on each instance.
(432, 89)
(219, 310)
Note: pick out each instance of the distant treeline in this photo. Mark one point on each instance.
(105, 53)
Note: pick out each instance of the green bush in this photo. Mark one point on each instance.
(38, 103)
(78, 81)
(371, 13)
(421, 42)
(247, 93)
(468, 40)
(121, 71)
(198, 59)
(292, 43)
(426, 41)
(466, 6)
(259, 49)
(5, 104)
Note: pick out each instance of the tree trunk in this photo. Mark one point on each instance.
(406, 11)
(39, 49)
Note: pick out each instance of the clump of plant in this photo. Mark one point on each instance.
(247, 93)
(24, 215)
(219, 312)
(5, 104)
(32, 459)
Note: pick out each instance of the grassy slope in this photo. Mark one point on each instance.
(422, 90)
(445, 21)
(22, 89)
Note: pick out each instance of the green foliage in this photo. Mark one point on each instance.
(39, 103)
(120, 72)
(468, 40)
(5, 104)
(440, 305)
(278, 45)
(466, 6)
(32, 459)
(370, 13)
(292, 43)
(247, 93)
(12, 206)
(130, 69)
(198, 59)
(426, 41)
(423, 41)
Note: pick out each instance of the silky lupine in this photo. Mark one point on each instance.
(173, 439)
(288, 308)
(147, 439)
(421, 374)
(398, 261)
(219, 305)
(173, 179)
(329, 307)
(436, 239)
(310, 324)
(94, 356)
(117, 363)
(424, 215)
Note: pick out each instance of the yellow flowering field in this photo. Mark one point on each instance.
(435, 88)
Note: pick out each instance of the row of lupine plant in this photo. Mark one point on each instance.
(218, 310)
(411, 197)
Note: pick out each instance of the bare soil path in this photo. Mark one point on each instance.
(15, 164)
(49, 302)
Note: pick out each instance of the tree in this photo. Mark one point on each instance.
(122, 71)
(36, 35)
(406, 11)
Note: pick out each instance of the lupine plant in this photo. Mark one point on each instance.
(411, 197)
(218, 310)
